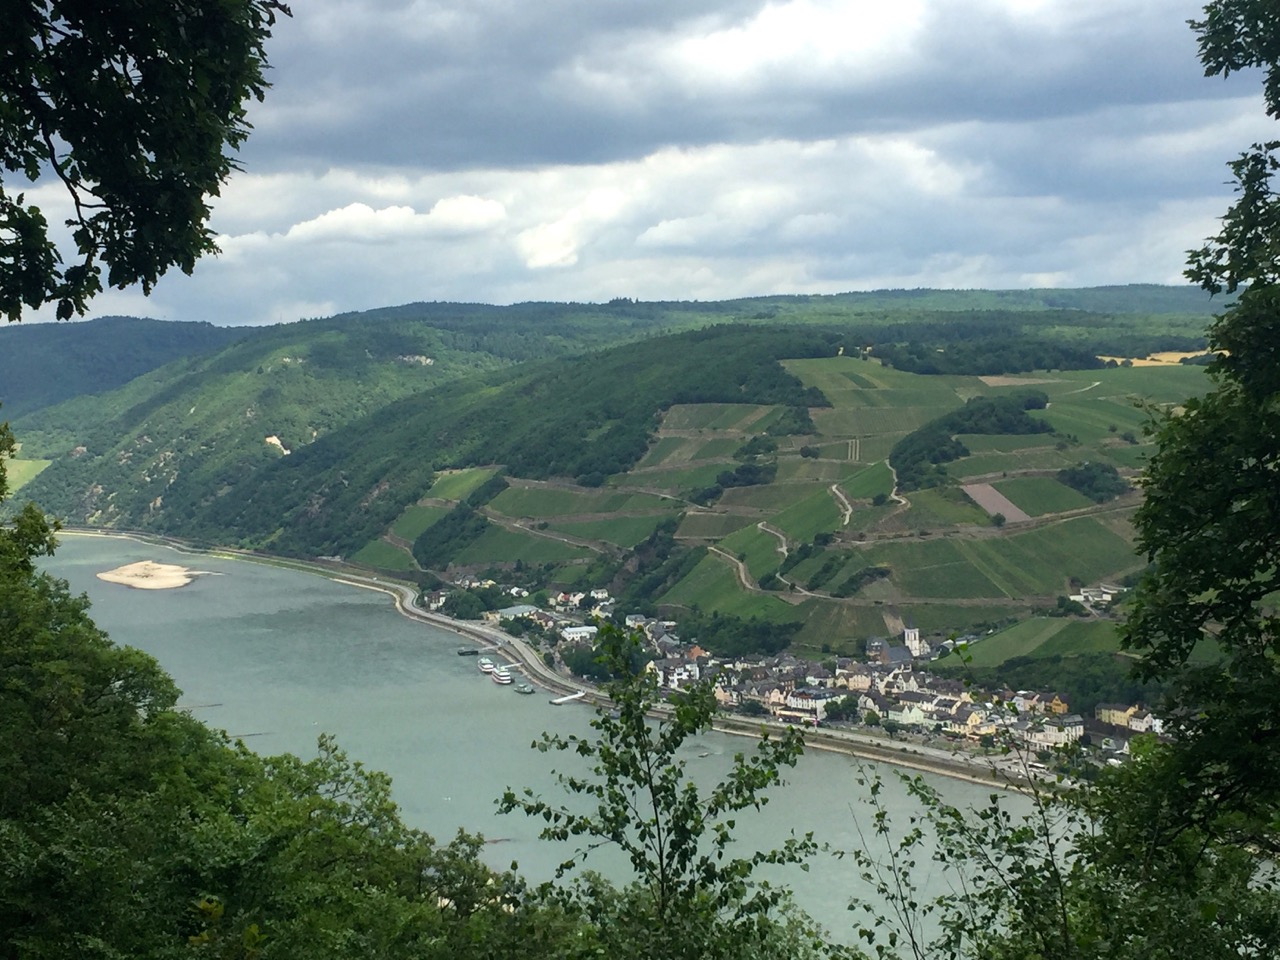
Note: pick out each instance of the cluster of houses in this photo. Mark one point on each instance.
(803, 691)
(885, 686)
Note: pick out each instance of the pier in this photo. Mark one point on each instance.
(569, 698)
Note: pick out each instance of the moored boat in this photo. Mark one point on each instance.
(486, 665)
(501, 676)
(524, 688)
(468, 652)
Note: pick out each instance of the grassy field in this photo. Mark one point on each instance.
(415, 520)
(770, 496)
(947, 619)
(984, 443)
(456, 484)
(669, 449)
(1040, 458)
(384, 556)
(713, 587)
(1041, 495)
(624, 531)
(816, 513)
(941, 507)
(20, 472)
(841, 628)
(718, 448)
(803, 469)
(548, 502)
(1041, 561)
(499, 545)
(938, 568)
(756, 548)
(675, 478)
(1044, 637)
(711, 526)
(714, 416)
(868, 482)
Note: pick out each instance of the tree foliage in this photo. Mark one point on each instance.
(1099, 482)
(1210, 522)
(693, 894)
(129, 829)
(135, 112)
(918, 457)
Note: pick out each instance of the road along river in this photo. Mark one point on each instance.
(277, 656)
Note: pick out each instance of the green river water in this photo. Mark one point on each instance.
(277, 656)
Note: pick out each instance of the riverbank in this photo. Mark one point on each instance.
(917, 758)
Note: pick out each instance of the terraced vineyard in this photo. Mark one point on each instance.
(827, 541)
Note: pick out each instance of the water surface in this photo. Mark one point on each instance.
(278, 656)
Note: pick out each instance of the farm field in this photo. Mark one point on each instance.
(986, 443)
(803, 469)
(20, 472)
(802, 521)
(1038, 458)
(869, 481)
(713, 416)
(457, 484)
(1041, 495)
(952, 571)
(770, 496)
(384, 556)
(499, 545)
(1044, 637)
(668, 450)
(940, 507)
(712, 587)
(674, 478)
(700, 525)
(411, 524)
(548, 502)
(756, 548)
(623, 531)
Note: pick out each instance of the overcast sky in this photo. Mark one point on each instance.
(510, 150)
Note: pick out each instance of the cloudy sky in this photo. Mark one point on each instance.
(508, 150)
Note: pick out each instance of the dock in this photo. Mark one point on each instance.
(569, 698)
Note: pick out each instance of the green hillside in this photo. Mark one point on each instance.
(767, 443)
(45, 363)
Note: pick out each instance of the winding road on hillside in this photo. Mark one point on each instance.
(846, 507)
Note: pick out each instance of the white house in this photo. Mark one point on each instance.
(1056, 731)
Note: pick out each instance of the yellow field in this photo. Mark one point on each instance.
(1157, 359)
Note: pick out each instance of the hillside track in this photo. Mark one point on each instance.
(843, 502)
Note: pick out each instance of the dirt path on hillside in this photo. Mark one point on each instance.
(846, 508)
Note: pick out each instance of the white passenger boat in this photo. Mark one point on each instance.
(501, 676)
(486, 664)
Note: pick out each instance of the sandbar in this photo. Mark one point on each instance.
(149, 575)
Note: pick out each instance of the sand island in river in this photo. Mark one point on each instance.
(149, 575)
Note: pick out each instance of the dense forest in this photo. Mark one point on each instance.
(44, 364)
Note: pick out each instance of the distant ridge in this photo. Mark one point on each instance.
(45, 363)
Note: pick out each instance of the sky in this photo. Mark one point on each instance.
(506, 150)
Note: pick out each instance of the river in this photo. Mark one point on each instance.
(277, 656)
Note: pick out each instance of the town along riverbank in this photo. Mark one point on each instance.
(278, 657)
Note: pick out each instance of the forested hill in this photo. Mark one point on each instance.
(45, 363)
(582, 418)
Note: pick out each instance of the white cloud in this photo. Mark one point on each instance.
(571, 149)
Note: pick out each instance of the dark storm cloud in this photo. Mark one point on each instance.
(467, 83)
